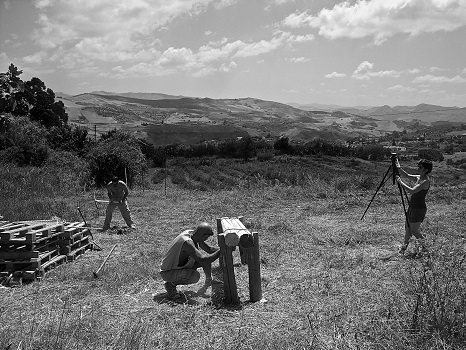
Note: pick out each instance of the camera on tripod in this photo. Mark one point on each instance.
(394, 168)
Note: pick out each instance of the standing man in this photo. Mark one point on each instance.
(117, 194)
(184, 257)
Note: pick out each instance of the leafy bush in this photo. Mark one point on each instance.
(372, 152)
(430, 154)
(113, 157)
(68, 138)
(265, 155)
(23, 143)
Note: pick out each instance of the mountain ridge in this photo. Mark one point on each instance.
(154, 115)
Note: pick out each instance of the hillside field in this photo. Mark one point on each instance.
(329, 279)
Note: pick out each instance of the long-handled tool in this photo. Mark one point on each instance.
(90, 232)
(96, 273)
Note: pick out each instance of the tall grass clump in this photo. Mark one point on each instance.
(28, 193)
(438, 285)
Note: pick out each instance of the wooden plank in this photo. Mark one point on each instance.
(53, 263)
(24, 229)
(71, 231)
(76, 253)
(19, 255)
(75, 224)
(10, 226)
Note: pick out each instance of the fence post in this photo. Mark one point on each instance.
(226, 263)
(254, 270)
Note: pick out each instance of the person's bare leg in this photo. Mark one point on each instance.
(406, 238)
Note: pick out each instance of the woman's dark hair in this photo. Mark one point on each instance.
(426, 164)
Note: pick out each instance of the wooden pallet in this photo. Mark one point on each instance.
(30, 249)
(35, 263)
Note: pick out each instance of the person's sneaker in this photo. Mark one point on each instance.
(178, 297)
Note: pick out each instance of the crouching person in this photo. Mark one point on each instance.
(184, 256)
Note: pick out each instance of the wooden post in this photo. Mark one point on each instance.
(226, 263)
(254, 270)
(243, 254)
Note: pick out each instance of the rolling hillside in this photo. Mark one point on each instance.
(162, 118)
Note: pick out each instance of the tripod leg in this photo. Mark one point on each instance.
(378, 188)
(403, 202)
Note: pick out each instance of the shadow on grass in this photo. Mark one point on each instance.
(198, 297)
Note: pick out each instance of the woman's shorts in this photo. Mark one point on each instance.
(416, 214)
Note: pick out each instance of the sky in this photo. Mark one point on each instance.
(348, 53)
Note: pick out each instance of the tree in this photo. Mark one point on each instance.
(31, 98)
(282, 144)
(12, 95)
(45, 110)
(246, 148)
(112, 157)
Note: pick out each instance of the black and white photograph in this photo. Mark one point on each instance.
(233, 174)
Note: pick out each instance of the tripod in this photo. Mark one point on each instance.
(401, 189)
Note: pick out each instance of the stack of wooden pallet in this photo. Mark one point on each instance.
(28, 249)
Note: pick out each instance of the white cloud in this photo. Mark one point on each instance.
(122, 33)
(401, 88)
(302, 38)
(414, 71)
(382, 19)
(335, 75)
(438, 79)
(35, 58)
(298, 59)
(364, 71)
(107, 29)
(4, 62)
(281, 2)
(260, 47)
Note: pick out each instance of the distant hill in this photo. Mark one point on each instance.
(163, 119)
(139, 95)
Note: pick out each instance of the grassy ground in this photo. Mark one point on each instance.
(329, 280)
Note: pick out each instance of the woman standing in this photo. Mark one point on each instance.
(417, 205)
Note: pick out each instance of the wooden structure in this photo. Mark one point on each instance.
(233, 233)
(28, 249)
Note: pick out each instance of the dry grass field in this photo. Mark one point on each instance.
(329, 280)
